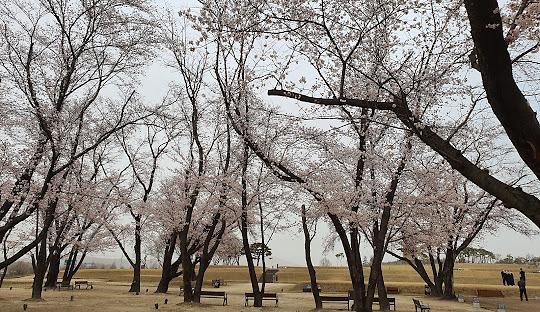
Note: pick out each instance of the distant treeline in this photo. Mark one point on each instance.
(481, 255)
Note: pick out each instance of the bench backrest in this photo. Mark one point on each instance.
(376, 299)
(334, 298)
(392, 290)
(212, 293)
(265, 295)
(81, 282)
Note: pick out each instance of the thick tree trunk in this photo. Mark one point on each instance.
(309, 263)
(381, 293)
(168, 271)
(354, 262)
(187, 278)
(448, 275)
(208, 253)
(54, 269)
(203, 266)
(503, 94)
(136, 283)
(40, 268)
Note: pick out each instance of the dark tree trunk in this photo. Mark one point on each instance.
(73, 266)
(354, 262)
(207, 253)
(381, 292)
(309, 263)
(263, 285)
(203, 266)
(4, 252)
(187, 277)
(257, 300)
(67, 269)
(3, 276)
(169, 269)
(448, 275)
(54, 269)
(503, 94)
(136, 283)
(40, 268)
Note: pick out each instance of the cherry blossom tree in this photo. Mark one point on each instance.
(144, 147)
(57, 59)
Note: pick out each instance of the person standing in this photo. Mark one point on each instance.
(522, 290)
(503, 275)
(521, 274)
(511, 280)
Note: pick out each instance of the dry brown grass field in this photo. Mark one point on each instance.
(110, 292)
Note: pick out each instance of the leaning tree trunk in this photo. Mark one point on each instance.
(203, 266)
(309, 263)
(169, 269)
(54, 269)
(208, 253)
(257, 301)
(136, 283)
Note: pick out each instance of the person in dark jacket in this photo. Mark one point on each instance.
(521, 274)
(522, 290)
(503, 275)
(511, 281)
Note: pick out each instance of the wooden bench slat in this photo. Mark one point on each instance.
(392, 290)
(214, 294)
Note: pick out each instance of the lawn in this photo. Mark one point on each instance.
(468, 277)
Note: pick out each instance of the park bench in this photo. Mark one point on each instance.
(325, 298)
(489, 293)
(86, 283)
(391, 301)
(265, 296)
(420, 305)
(60, 286)
(392, 290)
(214, 294)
